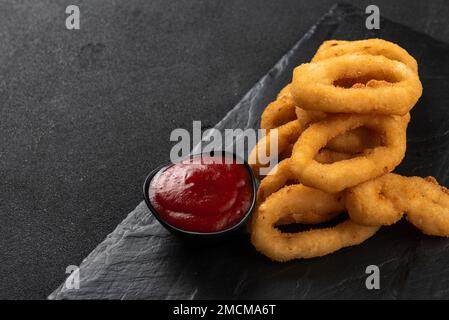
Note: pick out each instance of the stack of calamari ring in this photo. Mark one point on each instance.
(341, 130)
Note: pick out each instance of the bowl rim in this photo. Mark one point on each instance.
(172, 228)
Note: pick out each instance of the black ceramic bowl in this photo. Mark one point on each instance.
(240, 226)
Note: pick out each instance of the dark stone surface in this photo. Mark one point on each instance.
(140, 259)
(84, 115)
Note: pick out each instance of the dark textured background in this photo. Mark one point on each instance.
(84, 115)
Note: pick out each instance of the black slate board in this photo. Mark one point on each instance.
(141, 260)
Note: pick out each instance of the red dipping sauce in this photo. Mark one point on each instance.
(204, 194)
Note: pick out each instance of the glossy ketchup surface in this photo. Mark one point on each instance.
(202, 194)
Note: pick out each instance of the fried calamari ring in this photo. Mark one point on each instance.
(278, 112)
(375, 47)
(383, 201)
(340, 175)
(309, 206)
(351, 142)
(277, 115)
(278, 178)
(315, 85)
(281, 175)
(287, 134)
(261, 156)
